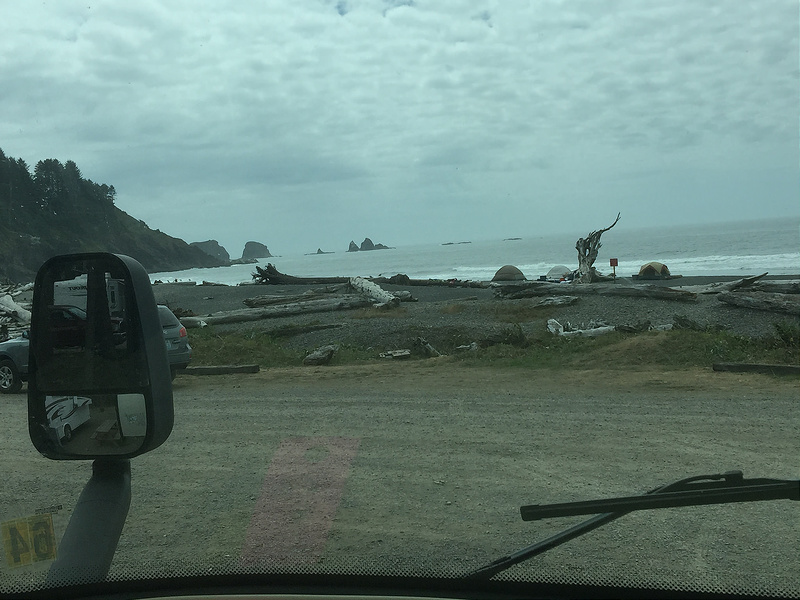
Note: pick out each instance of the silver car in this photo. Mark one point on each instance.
(179, 351)
(13, 364)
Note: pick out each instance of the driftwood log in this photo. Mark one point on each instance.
(14, 310)
(14, 319)
(281, 310)
(271, 276)
(374, 292)
(777, 287)
(534, 289)
(558, 301)
(588, 248)
(727, 286)
(557, 328)
(783, 303)
(272, 299)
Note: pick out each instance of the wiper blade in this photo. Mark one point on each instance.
(733, 488)
(693, 491)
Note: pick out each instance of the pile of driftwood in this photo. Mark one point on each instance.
(532, 289)
(753, 292)
(356, 292)
(748, 292)
(776, 296)
(14, 317)
(271, 276)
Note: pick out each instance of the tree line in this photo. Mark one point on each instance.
(52, 189)
(55, 210)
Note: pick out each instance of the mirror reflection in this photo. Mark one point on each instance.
(85, 345)
(97, 424)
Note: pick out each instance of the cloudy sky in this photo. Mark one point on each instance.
(309, 123)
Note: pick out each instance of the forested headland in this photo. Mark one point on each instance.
(54, 210)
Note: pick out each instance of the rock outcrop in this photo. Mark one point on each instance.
(255, 250)
(213, 248)
(367, 244)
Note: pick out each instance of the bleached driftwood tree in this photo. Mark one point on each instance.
(588, 248)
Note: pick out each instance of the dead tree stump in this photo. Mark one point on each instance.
(588, 248)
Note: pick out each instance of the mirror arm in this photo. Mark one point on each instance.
(90, 540)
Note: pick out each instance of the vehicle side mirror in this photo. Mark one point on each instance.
(99, 382)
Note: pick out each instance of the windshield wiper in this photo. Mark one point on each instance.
(700, 490)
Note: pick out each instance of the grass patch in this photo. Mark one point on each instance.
(669, 349)
(347, 355)
(210, 347)
(787, 335)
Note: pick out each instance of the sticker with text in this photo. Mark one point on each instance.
(29, 540)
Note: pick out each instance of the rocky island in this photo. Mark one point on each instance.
(367, 244)
(251, 253)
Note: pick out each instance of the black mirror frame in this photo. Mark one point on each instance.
(158, 390)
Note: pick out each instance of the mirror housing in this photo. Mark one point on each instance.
(99, 383)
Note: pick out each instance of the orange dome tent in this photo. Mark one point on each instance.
(654, 270)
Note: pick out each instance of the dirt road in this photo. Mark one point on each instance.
(427, 463)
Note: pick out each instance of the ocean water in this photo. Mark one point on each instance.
(740, 249)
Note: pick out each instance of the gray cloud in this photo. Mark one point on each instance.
(408, 117)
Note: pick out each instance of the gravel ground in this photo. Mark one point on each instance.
(448, 317)
(446, 456)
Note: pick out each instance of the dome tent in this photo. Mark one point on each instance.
(654, 270)
(558, 272)
(509, 273)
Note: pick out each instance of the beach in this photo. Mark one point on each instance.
(448, 317)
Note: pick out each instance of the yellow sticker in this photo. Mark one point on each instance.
(29, 540)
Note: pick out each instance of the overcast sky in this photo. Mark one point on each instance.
(309, 123)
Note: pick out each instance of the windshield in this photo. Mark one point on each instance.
(432, 263)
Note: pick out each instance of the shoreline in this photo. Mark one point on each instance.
(449, 316)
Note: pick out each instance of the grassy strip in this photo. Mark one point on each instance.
(211, 347)
(669, 349)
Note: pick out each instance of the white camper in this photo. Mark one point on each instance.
(73, 293)
(66, 413)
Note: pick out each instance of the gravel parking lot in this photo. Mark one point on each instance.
(445, 457)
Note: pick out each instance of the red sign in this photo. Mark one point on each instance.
(614, 263)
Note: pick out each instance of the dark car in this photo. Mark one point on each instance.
(179, 351)
(13, 364)
(68, 324)
(14, 352)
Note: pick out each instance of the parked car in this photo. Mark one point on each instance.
(179, 351)
(13, 363)
(14, 352)
(68, 324)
